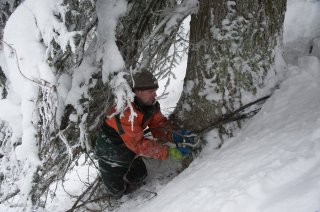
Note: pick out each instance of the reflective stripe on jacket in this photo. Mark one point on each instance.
(132, 132)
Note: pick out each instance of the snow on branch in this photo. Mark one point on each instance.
(113, 64)
(31, 91)
(108, 14)
(170, 23)
(49, 19)
(123, 95)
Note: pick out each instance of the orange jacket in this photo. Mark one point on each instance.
(132, 133)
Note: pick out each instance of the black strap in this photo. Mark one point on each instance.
(120, 129)
(149, 111)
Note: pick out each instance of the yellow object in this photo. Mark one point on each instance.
(175, 154)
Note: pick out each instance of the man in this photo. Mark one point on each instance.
(122, 143)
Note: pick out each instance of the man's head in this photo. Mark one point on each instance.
(145, 86)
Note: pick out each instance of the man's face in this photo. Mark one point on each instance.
(147, 97)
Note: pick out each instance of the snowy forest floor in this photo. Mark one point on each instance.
(270, 165)
(272, 162)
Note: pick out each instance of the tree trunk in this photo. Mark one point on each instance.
(231, 52)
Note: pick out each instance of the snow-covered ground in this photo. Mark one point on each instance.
(272, 164)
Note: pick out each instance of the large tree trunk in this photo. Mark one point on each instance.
(231, 51)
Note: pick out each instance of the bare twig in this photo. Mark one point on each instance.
(9, 196)
(90, 201)
(234, 116)
(97, 180)
(47, 84)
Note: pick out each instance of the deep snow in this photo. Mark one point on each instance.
(271, 165)
(272, 162)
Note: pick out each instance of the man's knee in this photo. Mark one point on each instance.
(114, 184)
(112, 177)
(137, 172)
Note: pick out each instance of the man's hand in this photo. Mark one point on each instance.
(178, 153)
(182, 136)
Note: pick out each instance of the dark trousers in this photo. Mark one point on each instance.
(118, 165)
(118, 179)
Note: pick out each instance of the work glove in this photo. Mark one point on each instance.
(180, 136)
(178, 153)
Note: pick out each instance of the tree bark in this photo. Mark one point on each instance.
(231, 51)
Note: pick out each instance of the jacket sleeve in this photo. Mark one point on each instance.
(135, 141)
